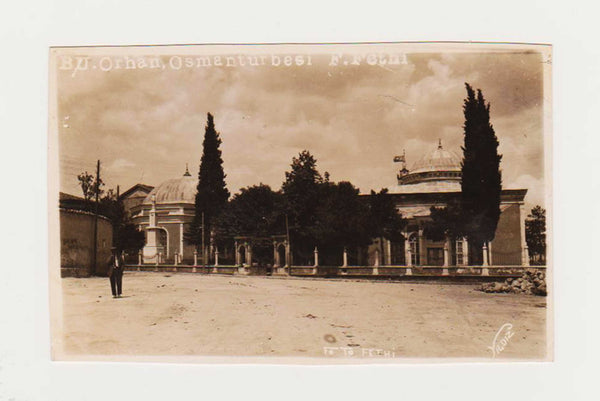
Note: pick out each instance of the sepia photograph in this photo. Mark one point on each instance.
(292, 203)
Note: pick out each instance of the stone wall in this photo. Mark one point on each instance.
(77, 243)
(506, 246)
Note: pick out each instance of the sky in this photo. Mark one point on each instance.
(145, 124)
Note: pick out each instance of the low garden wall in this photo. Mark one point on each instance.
(347, 271)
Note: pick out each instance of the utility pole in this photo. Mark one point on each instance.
(96, 190)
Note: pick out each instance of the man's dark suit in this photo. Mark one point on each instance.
(115, 273)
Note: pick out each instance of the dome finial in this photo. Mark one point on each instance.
(187, 172)
(439, 143)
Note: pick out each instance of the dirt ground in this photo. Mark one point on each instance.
(174, 314)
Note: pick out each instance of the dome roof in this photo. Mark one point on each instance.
(178, 190)
(437, 171)
(437, 160)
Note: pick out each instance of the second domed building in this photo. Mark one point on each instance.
(164, 215)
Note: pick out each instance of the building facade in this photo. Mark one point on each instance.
(135, 196)
(434, 180)
(77, 226)
(164, 216)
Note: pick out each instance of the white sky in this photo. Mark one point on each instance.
(145, 125)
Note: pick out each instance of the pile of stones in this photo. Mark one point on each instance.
(532, 282)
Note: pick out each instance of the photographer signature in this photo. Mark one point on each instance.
(501, 339)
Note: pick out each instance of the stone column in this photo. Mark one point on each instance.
(151, 247)
(388, 258)
(407, 255)
(316, 251)
(525, 257)
(276, 261)
(288, 256)
(194, 270)
(376, 264)
(176, 258)
(447, 252)
(140, 258)
(249, 253)
(524, 247)
(422, 255)
(465, 258)
(216, 256)
(490, 255)
(345, 258)
(237, 253)
(446, 256)
(484, 270)
(408, 260)
(181, 242)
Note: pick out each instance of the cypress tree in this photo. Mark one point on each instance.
(212, 193)
(481, 176)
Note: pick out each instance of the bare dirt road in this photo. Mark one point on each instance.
(175, 314)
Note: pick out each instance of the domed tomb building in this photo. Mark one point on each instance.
(164, 215)
(435, 180)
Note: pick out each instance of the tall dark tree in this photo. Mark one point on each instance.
(341, 221)
(481, 177)
(255, 212)
(384, 220)
(212, 193)
(446, 222)
(535, 234)
(301, 191)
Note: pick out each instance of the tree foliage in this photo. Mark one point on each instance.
(301, 191)
(90, 185)
(255, 211)
(333, 216)
(481, 177)
(126, 236)
(384, 220)
(446, 222)
(535, 234)
(212, 193)
(341, 221)
(476, 213)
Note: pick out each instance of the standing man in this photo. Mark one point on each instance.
(115, 273)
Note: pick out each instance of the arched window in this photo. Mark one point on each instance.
(413, 242)
(460, 260)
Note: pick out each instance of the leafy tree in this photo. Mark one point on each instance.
(481, 177)
(384, 220)
(301, 191)
(341, 221)
(446, 222)
(89, 186)
(256, 211)
(333, 216)
(535, 234)
(212, 193)
(126, 236)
